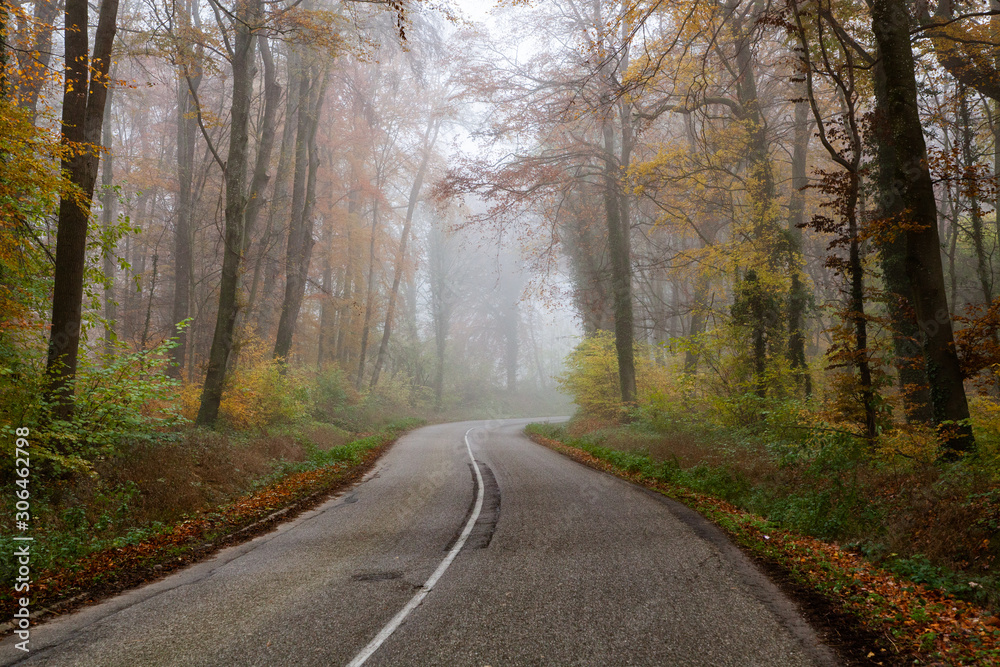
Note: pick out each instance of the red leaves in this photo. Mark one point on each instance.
(977, 341)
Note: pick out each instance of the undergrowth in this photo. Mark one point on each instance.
(929, 525)
(115, 511)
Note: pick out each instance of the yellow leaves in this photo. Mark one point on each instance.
(966, 49)
(911, 441)
(257, 393)
(592, 376)
(30, 185)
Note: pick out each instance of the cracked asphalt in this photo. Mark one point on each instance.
(565, 566)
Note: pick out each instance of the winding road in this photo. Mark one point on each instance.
(466, 545)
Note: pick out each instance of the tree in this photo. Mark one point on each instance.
(246, 21)
(838, 68)
(573, 104)
(910, 210)
(430, 137)
(84, 97)
(188, 81)
(312, 78)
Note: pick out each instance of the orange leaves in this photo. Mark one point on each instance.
(977, 341)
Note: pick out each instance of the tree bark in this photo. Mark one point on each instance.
(702, 283)
(908, 357)
(262, 163)
(312, 87)
(344, 319)
(84, 97)
(760, 190)
(326, 315)
(914, 211)
(441, 304)
(247, 15)
(621, 269)
(369, 298)
(983, 270)
(107, 218)
(268, 259)
(187, 88)
(797, 294)
(856, 275)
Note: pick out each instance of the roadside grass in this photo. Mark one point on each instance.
(151, 510)
(788, 516)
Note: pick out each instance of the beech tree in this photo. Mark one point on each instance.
(245, 24)
(85, 94)
(908, 201)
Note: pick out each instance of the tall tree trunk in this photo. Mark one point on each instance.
(441, 298)
(149, 303)
(915, 205)
(326, 315)
(759, 172)
(265, 144)
(996, 171)
(621, 268)
(909, 360)
(312, 87)
(798, 296)
(84, 97)
(369, 298)
(702, 284)
(247, 15)
(430, 137)
(107, 218)
(760, 190)
(187, 88)
(983, 271)
(952, 203)
(702, 280)
(268, 259)
(616, 130)
(344, 312)
(856, 275)
(262, 162)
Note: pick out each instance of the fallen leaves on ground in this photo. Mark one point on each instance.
(114, 569)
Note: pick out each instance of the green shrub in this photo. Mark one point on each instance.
(123, 398)
(330, 394)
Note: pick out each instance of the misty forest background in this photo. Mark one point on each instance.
(756, 240)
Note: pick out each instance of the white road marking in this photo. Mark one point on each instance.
(398, 619)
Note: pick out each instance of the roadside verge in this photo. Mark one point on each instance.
(873, 616)
(301, 487)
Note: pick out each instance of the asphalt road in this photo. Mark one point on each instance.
(560, 565)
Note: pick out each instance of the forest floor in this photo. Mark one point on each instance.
(869, 614)
(220, 495)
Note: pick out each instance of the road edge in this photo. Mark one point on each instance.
(133, 579)
(845, 639)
